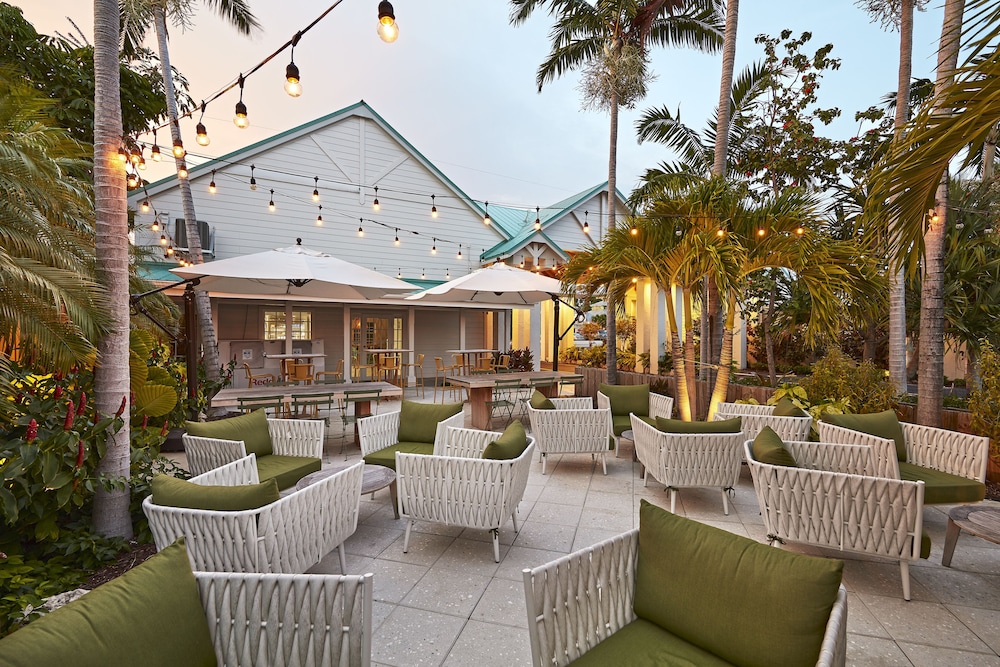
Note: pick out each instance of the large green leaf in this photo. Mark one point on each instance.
(157, 375)
(155, 400)
(138, 369)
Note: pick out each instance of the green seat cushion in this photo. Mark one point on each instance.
(768, 448)
(286, 470)
(173, 492)
(925, 544)
(627, 398)
(622, 423)
(540, 401)
(941, 488)
(251, 428)
(510, 445)
(387, 455)
(680, 426)
(786, 408)
(645, 644)
(746, 602)
(883, 424)
(150, 616)
(418, 421)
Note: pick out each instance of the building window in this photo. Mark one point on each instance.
(274, 325)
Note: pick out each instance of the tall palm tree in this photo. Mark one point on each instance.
(111, 377)
(137, 16)
(609, 39)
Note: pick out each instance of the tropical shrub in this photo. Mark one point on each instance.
(862, 388)
(521, 360)
(984, 403)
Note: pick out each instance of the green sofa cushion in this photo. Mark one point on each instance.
(173, 492)
(151, 615)
(645, 644)
(680, 426)
(883, 424)
(627, 398)
(510, 445)
(387, 455)
(746, 602)
(418, 421)
(251, 428)
(786, 408)
(286, 470)
(941, 488)
(540, 401)
(768, 448)
(622, 423)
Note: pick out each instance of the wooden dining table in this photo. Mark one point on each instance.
(381, 354)
(481, 390)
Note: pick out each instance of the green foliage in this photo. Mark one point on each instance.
(860, 388)
(521, 360)
(984, 403)
(590, 357)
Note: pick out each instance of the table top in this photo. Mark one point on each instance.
(489, 379)
(295, 355)
(229, 398)
(628, 435)
(375, 477)
(481, 351)
(388, 350)
(981, 521)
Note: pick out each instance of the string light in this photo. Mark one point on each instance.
(155, 227)
(399, 273)
(163, 239)
(122, 155)
(132, 181)
(434, 208)
(270, 204)
(388, 30)
(486, 214)
(178, 150)
(316, 189)
(459, 251)
(154, 152)
(134, 159)
(170, 250)
(761, 231)
(538, 219)
(253, 181)
(182, 171)
(211, 184)
(800, 230)
(586, 225)
(423, 274)
(434, 248)
(293, 85)
(319, 218)
(240, 119)
(396, 241)
(634, 231)
(202, 134)
(361, 231)
(447, 274)
(375, 205)
(933, 215)
(141, 164)
(720, 232)
(145, 206)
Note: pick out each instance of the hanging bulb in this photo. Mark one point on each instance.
(179, 151)
(319, 218)
(134, 159)
(163, 239)
(399, 273)
(634, 231)
(434, 209)
(253, 181)
(678, 231)
(316, 189)
(292, 84)
(211, 184)
(388, 30)
(586, 225)
(240, 120)
(538, 220)
(132, 181)
(170, 250)
(396, 241)
(142, 163)
(145, 206)
(155, 227)
(761, 231)
(154, 152)
(486, 214)
(933, 215)
(423, 275)
(459, 252)
(122, 155)
(182, 171)
(270, 204)
(375, 205)
(720, 232)
(202, 134)
(361, 231)
(800, 230)
(447, 274)
(434, 248)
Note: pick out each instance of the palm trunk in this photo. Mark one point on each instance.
(111, 376)
(990, 153)
(677, 356)
(689, 365)
(721, 388)
(772, 366)
(897, 290)
(210, 346)
(705, 322)
(929, 392)
(612, 326)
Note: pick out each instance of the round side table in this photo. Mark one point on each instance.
(375, 478)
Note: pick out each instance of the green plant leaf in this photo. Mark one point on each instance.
(155, 400)
(138, 369)
(157, 375)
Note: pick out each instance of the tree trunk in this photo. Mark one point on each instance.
(210, 345)
(772, 365)
(990, 153)
(870, 350)
(721, 387)
(897, 291)
(611, 326)
(677, 357)
(705, 320)
(929, 392)
(111, 376)
(689, 365)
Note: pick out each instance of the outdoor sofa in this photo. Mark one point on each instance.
(287, 449)
(784, 418)
(161, 614)
(678, 592)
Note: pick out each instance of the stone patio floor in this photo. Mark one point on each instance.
(446, 602)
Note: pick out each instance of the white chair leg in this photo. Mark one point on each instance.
(673, 502)
(513, 518)
(645, 478)
(904, 573)
(604, 464)
(725, 502)
(406, 536)
(543, 462)
(343, 559)
(496, 545)
(617, 442)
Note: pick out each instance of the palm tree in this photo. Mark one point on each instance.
(111, 377)
(609, 39)
(136, 16)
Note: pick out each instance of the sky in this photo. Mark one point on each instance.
(459, 83)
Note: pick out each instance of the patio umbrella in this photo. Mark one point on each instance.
(497, 284)
(293, 271)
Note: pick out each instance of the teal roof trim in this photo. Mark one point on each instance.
(158, 272)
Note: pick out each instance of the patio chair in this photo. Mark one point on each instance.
(349, 406)
(299, 372)
(336, 375)
(504, 399)
(259, 379)
(684, 460)
(418, 373)
(574, 426)
(627, 399)
(572, 382)
(441, 371)
(755, 417)
(541, 385)
(288, 535)
(456, 486)
(379, 435)
(273, 405)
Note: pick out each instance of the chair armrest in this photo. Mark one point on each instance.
(466, 443)
(443, 429)
(239, 472)
(728, 410)
(579, 600)
(574, 403)
(886, 463)
(297, 437)
(835, 457)
(378, 432)
(325, 619)
(956, 453)
(216, 541)
(787, 428)
(204, 454)
(833, 651)
(661, 406)
(603, 401)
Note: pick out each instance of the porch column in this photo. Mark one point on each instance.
(347, 343)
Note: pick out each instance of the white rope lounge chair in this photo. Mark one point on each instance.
(659, 406)
(381, 432)
(573, 427)
(755, 417)
(832, 499)
(457, 487)
(287, 536)
(680, 460)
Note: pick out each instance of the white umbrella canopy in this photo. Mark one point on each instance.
(495, 284)
(293, 271)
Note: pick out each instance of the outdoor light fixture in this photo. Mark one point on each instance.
(142, 162)
(134, 158)
(396, 241)
(375, 205)
(319, 218)
(761, 231)
(933, 215)
(270, 204)
(800, 230)
(586, 225)
(179, 151)
(720, 232)
(211, 184)
(145, 206)
(240, 119)
(447, 274)
(434, 209)
(459, 252)
(163, 239)
(634, 231)
(388, 30)
(170, 250)
(423, 275)
(293, 86)
(361, 231)
(132, 181)
(253, 181)
(154, 152)
(316, 189)
(202, 133)
(122, 155)
(182, 171)
(486, 214)
(434, 248)
(538, 220)
(155, 227)
(399, 273)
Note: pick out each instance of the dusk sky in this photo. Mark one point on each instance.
(459, 83)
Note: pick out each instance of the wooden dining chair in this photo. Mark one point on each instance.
(336, 375)
(441, 371)
(301, 372)
(389, 369)
(418, 373)
(259, 379)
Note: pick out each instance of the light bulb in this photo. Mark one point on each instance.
(154, 153)
(240, 120)
(422, 274)
(319, 218)
(447, 274)
(202, 135)
(142, 163)
(761, 231)
(182, 171)
(145, 206)
(134, 158)
(459, 256)
(211, 184)
(155, 227)
(586, 227)
(434, 208)
(399, 273)
(434, 248)
(163, 239)
(122, 156)
(396, 240)
(720, 233)
(132, 181)
(388, 31)
(486, 214)
(293, 86)
(179, 151)
(253, 181)
(361, 231)
(634, 231)
(270, 204)
(800, 230)
(375, 205)
(316, 189)
(170, 250)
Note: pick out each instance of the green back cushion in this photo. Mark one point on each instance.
(418, 421)
(768, 448)
(251, 428)
(786, 408)
(680, 426)
(883, 424)
(627, 398)
(150, 616)
(746, 602)
(510, 445)
(540, 401)
(172, 492)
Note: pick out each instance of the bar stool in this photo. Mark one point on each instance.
(389, 368)
(418, 371)
(336, 375)
(441, 371)
(299, 372)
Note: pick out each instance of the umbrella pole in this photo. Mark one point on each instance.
(555, 333)
(190, 329)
